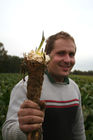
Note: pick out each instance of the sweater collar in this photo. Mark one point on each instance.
(52, 80)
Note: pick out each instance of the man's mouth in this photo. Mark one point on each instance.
(65, 67)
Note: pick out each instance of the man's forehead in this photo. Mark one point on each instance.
(63, 44)
(63, 41)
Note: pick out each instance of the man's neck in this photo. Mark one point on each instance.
(57, 78)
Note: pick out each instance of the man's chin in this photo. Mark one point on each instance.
(65, 73)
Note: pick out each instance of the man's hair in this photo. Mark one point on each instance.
(50, 41)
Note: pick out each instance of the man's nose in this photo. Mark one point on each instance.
(67, 58)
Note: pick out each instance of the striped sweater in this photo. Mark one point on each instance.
(63, 115)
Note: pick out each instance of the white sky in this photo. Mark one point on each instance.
(22, 23)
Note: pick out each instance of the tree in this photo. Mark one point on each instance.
(8, 63)
(3, 52)
(3, 57)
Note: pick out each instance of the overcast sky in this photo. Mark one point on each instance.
(22, 23)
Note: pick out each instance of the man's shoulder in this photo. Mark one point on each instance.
(22, 82)
(72, 82)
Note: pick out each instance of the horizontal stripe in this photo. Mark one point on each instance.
(54, 101)
(65, 106)
(62, 104)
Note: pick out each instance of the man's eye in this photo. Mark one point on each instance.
(61, 53)
(71, 54)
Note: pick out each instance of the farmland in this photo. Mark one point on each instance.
(85, 83)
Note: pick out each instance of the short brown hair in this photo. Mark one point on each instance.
(50, 41)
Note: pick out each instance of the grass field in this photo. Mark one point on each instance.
(85, 83)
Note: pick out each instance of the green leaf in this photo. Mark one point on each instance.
(42, 41)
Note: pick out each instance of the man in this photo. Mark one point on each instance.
(63, 119)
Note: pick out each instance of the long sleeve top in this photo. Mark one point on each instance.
(63, 115)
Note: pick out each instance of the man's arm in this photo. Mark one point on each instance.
(11, 130)
(78, 126)
(22, 117)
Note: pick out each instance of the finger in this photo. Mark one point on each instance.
(30, 111)
(42, 105)
(30, 104)
(30, 119)
(30, 127)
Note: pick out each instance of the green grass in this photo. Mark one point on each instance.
(82, 77)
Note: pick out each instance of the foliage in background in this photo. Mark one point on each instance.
(7, 82)
(85, 84)
(78, 72)
(8, 63)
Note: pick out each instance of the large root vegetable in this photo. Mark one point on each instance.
(35, 64)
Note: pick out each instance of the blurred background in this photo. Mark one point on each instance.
(22, 23)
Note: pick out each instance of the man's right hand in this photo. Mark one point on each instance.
(30, 116)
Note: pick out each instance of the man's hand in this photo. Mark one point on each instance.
(30, 116)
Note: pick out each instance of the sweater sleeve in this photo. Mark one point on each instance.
(78, 125)
(10, 129)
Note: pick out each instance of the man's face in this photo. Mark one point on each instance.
(62, 58)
